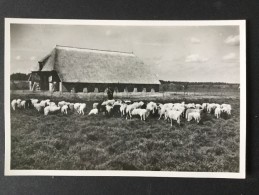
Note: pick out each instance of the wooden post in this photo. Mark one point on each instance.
(50, 87)
(60, 86)
(30, 85)
(96, 90)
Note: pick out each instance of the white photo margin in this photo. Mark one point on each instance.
(242, 159)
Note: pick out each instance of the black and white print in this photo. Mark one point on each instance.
(125, 98)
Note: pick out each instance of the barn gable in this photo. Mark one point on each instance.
(79, 65)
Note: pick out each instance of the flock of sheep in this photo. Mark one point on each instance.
(169, 111)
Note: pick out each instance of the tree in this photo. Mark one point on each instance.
(19, 77)
(179, 87)
(186, 85)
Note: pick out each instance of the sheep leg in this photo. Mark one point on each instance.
(178, 121)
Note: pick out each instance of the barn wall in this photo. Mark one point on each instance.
(44, 78)
(79, 87)
(34, 77)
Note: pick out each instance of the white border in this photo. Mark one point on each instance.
(242, 160)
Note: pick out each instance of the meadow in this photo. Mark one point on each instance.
(73, 142)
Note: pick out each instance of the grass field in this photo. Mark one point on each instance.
(74, 142)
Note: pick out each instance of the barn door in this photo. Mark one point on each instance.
(44, 82)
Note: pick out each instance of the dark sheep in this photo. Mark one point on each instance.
(99, 106)
(155, 114)
(28, 104)
(144, 106)
(116, 110)
(127, 102)
(102, 108)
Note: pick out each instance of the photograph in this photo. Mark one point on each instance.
(125, 98)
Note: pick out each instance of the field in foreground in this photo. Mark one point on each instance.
(74, 142)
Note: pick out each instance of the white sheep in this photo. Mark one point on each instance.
(211, 107)
(64, 109)
(180, 108)
(34, 101)
(108, 102)
(82, 108)
(129, 109)
(95, 105)
(174, 115)
(162, 110)
(38, 106)
(190, 105)
(44, 103)
(77, 107)
(143, 113)
(217, 112)
(93, 112)
(61, 103)
(194, 115)
(14, 104)
(192, 110)
(71, 106)
(51, 104)
(226, 108)
(198, 106)
(51, 109)
(23, 104)
(204, 106)
(18, 103)
(128, 102)
(109, 108)
(138, 104)
(123, 109)
(152, 106)
(117, 102)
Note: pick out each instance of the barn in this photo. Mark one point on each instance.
(72, 69)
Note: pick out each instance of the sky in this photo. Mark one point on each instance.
(174, 53)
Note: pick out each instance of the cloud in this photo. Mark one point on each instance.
(195, 58)
(18, 57)
(108, 32)
(32, 58)
(153, 44)
(195, 40)
(229, 57)
(232, 40)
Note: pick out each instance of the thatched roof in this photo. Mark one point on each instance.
(97, 66)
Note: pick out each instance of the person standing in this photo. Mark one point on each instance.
(110, 92)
